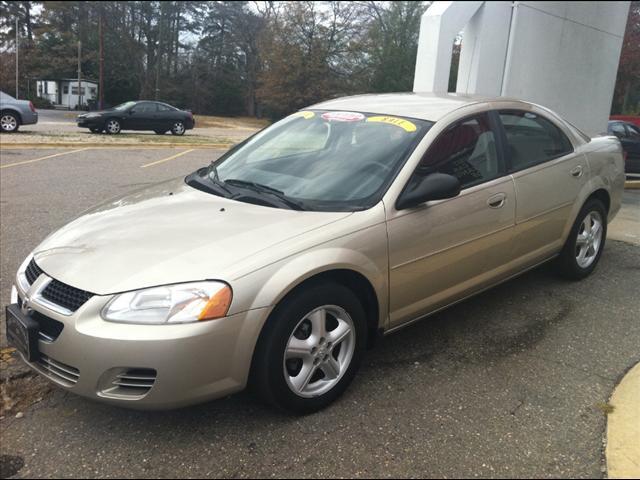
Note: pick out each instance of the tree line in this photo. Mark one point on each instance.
(264, 58)
(227, 57)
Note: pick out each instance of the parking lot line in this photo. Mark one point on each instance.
(42, 158)
(168, 158)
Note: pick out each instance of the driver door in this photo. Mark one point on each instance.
(142, 116)
(444, 250)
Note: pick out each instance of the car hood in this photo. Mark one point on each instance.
(168, 233)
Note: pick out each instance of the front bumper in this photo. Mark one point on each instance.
(192, 363)
(90, 122)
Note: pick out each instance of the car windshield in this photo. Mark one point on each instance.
(124, 106)
(319, 160)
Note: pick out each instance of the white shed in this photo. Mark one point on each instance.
(64, 92)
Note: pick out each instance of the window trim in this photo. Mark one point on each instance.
(493, 126)
(505, 142)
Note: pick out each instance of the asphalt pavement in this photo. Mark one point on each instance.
(511, 383)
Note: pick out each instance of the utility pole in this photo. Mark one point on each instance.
(79, 75)
(159, 55)
(17, 48)
(101, 86)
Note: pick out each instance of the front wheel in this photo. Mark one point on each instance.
(9, 122)
(585, 243)
(311, 348)
(178, 128)
(113, 126)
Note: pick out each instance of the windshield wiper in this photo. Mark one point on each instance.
(260, 188)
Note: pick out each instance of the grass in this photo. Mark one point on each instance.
(230, 122)
(85, 137)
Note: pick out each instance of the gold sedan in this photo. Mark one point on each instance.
(277, 264)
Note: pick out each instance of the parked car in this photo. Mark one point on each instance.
(635, 119)
(156, 116)
(629, 136)
(14, 113)
(275, 265)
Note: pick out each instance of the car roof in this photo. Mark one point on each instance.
(424, 106)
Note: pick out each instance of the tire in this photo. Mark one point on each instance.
(178, 128)
(338, 351)
(112, 126)
(9, 122)
(160, 132)
(585, 243)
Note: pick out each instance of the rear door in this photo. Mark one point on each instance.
(548, 176)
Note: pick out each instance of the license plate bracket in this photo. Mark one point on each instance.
(22, 333)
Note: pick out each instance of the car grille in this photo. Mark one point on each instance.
(65, 295)
(33, 271)
(133, 382)
(58, 371)
(48, 328)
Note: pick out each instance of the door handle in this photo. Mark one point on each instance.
(577, 171)
(497, 201)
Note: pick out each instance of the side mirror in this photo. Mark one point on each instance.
(435, 186)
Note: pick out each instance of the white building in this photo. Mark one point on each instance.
(562, 55)
(64, 92)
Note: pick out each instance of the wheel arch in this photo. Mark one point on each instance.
(13, 111)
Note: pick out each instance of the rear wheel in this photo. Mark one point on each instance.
(112, 126)
(178, 128)
(585, 243)
(311, 348)
(9, 122)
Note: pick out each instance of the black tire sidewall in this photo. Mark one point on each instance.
(268, 376)
(568, 263)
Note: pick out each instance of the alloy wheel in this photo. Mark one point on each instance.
(589, 239)
(319, 351)
(178, 128)
(113, 126)
(8, 123)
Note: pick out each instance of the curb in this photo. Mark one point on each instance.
(623, 428)
(632, 184)
(9, 146)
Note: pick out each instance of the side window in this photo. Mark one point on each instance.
(633, 131)
(532, 139)
(466, 150)
(163, 108)
(617, 129)
(145, 107)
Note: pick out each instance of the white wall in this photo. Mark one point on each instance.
(563, 55)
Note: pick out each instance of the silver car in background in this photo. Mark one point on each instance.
(277, 264)
(14, 113)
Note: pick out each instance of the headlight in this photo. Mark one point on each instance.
(92, 115)
(183, 303)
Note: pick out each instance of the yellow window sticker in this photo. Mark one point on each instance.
(304, 114)
(406, 125)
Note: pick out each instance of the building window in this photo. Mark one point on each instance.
(65, 89)
(74, 91)
(93, 91)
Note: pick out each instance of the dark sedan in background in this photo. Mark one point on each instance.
(629, 136)
(143, 115)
